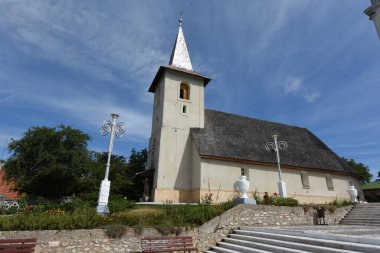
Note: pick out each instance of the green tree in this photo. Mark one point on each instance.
(122, 174)
(48, 162)
(362, 169)
(117, 174)
(136, 163)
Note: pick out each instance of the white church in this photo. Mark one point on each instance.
(195, 151)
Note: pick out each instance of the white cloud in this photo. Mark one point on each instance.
(311, 97)
(295, 86)
(292, 85)
(91, 112)
(80, 38)
(6, 95)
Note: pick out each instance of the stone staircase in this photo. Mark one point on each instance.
(264, 240)
(363, 214)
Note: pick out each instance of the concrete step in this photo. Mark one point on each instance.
(365, 211)
(308, 241)
(305, 233)
(362, 218)
(374, 216)
(244, 246)
(367, 207)
(363, 214)
(291, 245)
(221, 250)
(241, 249)
(368, 204)
(360, 223)
(265, 240)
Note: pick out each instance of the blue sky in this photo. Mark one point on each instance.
(308, 63)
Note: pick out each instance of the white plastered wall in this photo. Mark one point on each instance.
(221, 176)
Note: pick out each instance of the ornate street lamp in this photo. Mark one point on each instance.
(276, 146)
(118, 130)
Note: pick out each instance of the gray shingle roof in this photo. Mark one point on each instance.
(237, 137)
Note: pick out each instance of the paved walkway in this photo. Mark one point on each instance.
(347, 231)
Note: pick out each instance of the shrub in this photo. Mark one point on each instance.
(115, 230)
(191, 215)
(11, 210)
(206, 199)
(285, 202)
(340, 203)
(79, 219)
(329, 207)
(275, 200)
(163, 230)
(79, 214)
(138, 229)
(120, 204)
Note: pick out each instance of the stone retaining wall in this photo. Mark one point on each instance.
(95, 240)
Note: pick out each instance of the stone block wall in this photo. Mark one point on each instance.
(95, 240)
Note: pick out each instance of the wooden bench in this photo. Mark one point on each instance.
(17, 245)
(167, 244)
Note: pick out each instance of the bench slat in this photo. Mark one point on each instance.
(17, 245)
(17, 240)
(29, 250)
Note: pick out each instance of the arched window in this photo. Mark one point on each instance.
(184, 91)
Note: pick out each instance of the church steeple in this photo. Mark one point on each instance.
(180, 56)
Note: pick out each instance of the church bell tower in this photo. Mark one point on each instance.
(178, 106)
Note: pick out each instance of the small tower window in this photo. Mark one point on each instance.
(184, 109)
(184, 91)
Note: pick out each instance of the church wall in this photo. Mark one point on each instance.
(221, 177)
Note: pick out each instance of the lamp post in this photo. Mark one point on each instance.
(118, 130)
(276, 146)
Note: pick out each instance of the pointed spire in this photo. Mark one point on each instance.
(180, 56)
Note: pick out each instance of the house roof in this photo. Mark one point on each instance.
(234, 137)
(371, 186)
